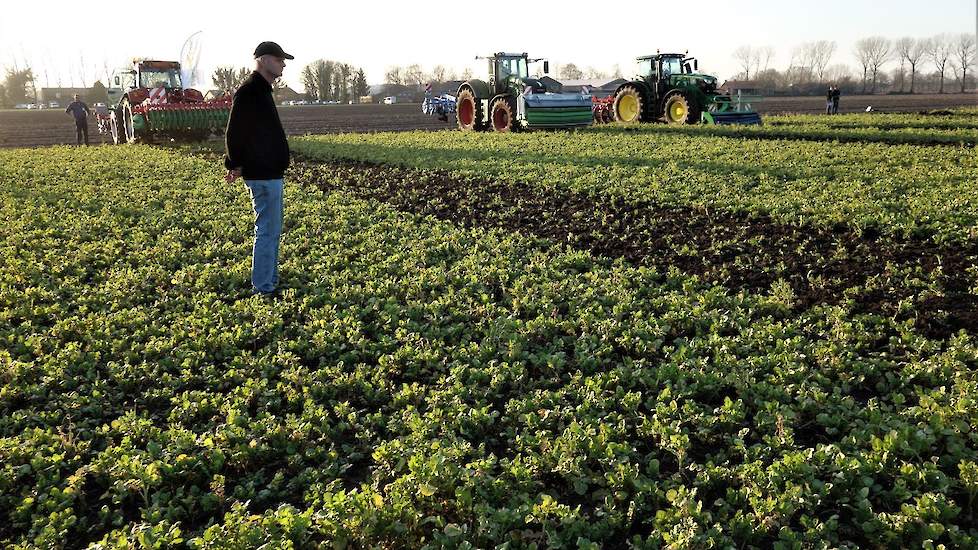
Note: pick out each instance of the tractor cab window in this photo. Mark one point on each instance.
(126, 80)
(671, 66)
(156, 78)
(645, 67)
(514, 66)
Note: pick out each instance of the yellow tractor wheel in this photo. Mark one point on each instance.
(679, 110)
(628, 105)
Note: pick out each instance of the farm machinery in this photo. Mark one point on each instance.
(148, 102)
(668, 88)
(438, 105)
(511, 100)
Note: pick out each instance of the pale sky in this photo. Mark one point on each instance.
(64, 40)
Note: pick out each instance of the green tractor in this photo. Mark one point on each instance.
(511, 100)
(669, 89)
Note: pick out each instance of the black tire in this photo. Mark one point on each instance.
(468, 112)
(680, 109)
(502, 115)
(629, 105)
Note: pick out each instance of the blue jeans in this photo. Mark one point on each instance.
(266, 199)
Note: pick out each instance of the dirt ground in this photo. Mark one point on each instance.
(24, 128)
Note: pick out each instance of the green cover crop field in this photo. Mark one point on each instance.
(622, 337)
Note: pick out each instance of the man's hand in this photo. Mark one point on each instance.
(232, 175)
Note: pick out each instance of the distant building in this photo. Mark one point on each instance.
(599, 87)
(287, 94)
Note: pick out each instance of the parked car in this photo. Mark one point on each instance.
(54, 105)
(390, 100)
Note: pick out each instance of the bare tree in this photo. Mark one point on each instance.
(964, 57)
(801, 66)
(872, 53)
(911, 50)
(592, 72)
(939, 51)
(394, 76)
(746, 60)
(438, 73)
(616, 71)
(228, 79)
(466, 74)
(838, 72)
(820, 54)
(414, 75)
(765, 55)
(569, 71)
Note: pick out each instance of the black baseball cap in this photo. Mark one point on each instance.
(271, 48)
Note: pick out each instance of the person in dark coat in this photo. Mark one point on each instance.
(79, 110)
(258, 152)
(828, 100)
(836, 93)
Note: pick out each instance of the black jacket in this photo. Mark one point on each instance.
(255, 138)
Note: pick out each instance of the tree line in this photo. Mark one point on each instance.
(912, 59)
(323, 80)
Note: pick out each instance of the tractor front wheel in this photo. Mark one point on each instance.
(468, 110)
(502, 115)
(679, 109)
(628, 105)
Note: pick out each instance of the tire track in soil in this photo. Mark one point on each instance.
(738, 250)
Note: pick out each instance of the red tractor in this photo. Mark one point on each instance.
(149, 103)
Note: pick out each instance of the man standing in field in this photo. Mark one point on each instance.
(258, 152)
(79, 110)
(836, 93)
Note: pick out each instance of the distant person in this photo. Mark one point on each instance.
(836, 93)
(79, 110)
(258, 152)
(828, 100)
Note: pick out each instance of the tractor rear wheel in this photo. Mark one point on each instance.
(128, 132)
(502, 115)
(680, 109)
(628, 105)
(115, 127)
(468, 110)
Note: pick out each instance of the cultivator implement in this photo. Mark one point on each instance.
(727, 109)
(182, 112)
(601, 109)
(440, 106)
